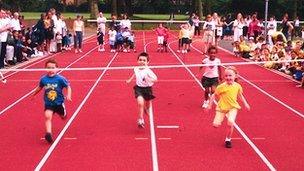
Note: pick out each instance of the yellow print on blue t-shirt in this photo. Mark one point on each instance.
(52, 95)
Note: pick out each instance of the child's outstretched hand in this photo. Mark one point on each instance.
(69, 98)
(128, 81)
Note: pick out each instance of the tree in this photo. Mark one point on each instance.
(114, 7)
(198, 7)
(93, 8)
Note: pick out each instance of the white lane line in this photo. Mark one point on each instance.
(261, 155)
(70, 138)
(259, 138)
(189, 71)
(55, 143)
(38, 60)
(153, 139)
(160, 80)
(167, 127)
(29, 93)
(256, 149)
(266, 93)
(67, 138)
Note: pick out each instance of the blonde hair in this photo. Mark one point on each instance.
(232, 68)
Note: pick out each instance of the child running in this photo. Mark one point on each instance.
(53, 85)
(212, 74)
(228, 92)
(145, 79)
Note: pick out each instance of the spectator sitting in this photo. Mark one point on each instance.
(126, 34)
(255, 55)
(288, 47)
(119, 41)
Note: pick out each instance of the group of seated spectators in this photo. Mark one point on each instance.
(275, 54)
(20, 42)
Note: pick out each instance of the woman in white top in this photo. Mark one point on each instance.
(5, 26)
(238, 25)
(218, 31)
(101, 23)
(15, 23)
(125, 22)
(272, 28)
(208, 32)
(78, 28)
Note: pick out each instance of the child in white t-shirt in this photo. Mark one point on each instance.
(145, 79)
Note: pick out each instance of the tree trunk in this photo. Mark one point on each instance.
(121, 7)
(295, 8)
(129, 7)
(199, 9)
(93, 8)
(114, 7)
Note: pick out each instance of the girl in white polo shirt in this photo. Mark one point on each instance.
(212, 74)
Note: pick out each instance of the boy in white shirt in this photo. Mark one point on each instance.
(145, 79)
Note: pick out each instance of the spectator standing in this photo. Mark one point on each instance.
(78, 28)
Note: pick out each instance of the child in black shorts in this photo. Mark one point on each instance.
(53, 85)
(145, 78)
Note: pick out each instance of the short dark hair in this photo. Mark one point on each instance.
(145, 55)
(52, 60)
(212, 48)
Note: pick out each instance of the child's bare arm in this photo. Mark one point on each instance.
(211, 100)
(130, 79)
(152, 76)
(69, 93)
(37, 90)
(242, 97)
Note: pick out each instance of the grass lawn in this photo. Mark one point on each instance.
(36, 15)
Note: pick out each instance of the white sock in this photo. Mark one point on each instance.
(228, 139)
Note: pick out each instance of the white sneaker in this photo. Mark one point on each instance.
(205, 104)
(141, 123)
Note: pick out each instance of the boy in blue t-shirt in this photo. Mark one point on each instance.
(53, 85)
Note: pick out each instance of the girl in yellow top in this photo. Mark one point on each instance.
(227, 94)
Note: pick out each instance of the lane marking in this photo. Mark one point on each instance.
(38, 60)
(167, 127)
(55, 143)
(29, 93)
(153, 139)
(259, 138)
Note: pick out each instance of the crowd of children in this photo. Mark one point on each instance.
(120, 36)
(273, 56)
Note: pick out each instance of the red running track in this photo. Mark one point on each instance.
(104, 135)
